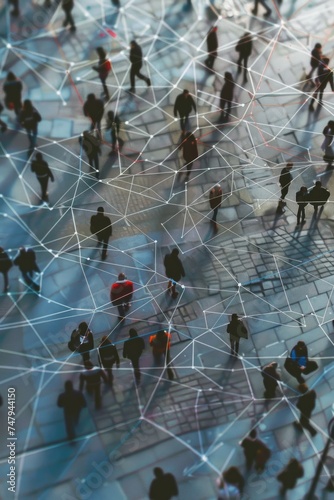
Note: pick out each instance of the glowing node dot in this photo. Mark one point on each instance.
(239, 284)
(200, 18)
(64, 103)
(78, 78)
(145, 58)
(126, 123)
(220, 17)
(7, 156)
(204, 458)
(8, 46)
(54, 142)
(20, 176)
(88, 258)
(5, 215)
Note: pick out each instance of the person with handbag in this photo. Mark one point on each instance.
(237, 330)
(108, 356)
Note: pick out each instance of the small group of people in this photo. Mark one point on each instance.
(319, 64)
(26, 262)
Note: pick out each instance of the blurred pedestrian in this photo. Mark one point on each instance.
(285, 179)
(160, 343)
(302, 199)
(230, 484)
(226, 96)
(108, 356)
(174, 271)
(270, 379)
(16, 10)
(100, 225)
(318, 196)
(13, 93)
(325, 76)
(91, 145)
(26, 261)
(263, 3)
(256, 451)
(67, 6)
(316, 55)
(212, 46)
(5, 265)
(306, 404)
(163, 486)
(103, 68)
(215, 198)
(82, 341)
(298, 363)
(237, 330)
(184, 103)
(132, 350)
(92, 377)
(136, 59)
(29, 118)
(190, 152)
(43, 174)
(113, 124)
(328, 132)
(121, 295)
(72, 402)
(94, 109)
(244, 47)
(290, 475)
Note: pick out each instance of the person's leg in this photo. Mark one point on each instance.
(284, 192)
(183, 122)
(105, 88)
(113, 140)
(174, 292)
(69, 424)
(132, 76)
(169, 286)
(232, 347)
(299, 213)
(121, 312)
(188, 169)
(44, 188)
(110, 375)
(71, 20)
(239, 63)
(104, 248)
(245, 68)
(215, 213)
(5, 281)
(97, 395)
(96, 164)
(303, 213)
(236, 346)
(136, 369)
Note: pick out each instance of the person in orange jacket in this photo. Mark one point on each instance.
(160, 343)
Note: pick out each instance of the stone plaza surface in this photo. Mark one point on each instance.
(276, 275)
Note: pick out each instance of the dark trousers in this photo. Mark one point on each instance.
(71, 421)
(270, 387)
(234, 346)
(136, 369)
(184, 121)
(319, 90)
(243, 59)
(104, 242)
(135, 71)
(157, 362)
(27, 277)
(95, 390)
(105, 88)
(93, 161)
(228, 104)
(96, 124)
(284, 191)
(44, 187)
(5, 279)
(211, 60)
(32, 137)
(214, 214)
(68, 18)
(122, 309)
(301, 213)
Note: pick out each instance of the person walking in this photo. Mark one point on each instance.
(72, 402)
(94, 108)
(121, 295)
(290, 475)
(244, 47)
(270, 379)
(226, 96)
(302, 198)
(91, 145)
(237, 330)
(215, 199)
(26, 262)
(306, 404)
(108, 356)
(67, 6)
(328, 133)
(5, 265)
(255, 451)
(43, 174)
(190, 152)
(160, 343)
(29, 118)
(113, 124)
(184, 103)
(132, 350)
(100, 225)
(13, 93)
(298, 363)
(318, 196)
(103, 69)
(136, 59)
(263, 3)
(230, 484)
(92, 378)
(82, 341)
(212, 46)
(325, 76)
(174, 271)
(285, 179)
(316, 56)
(163, 486)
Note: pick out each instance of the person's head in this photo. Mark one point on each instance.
(325, 60)
(234, 317)
(101, 52)
(39, 156)
(68, 386)
(274, 364)
(27, 105)
(100, 210)
(185, 93)
(10, 76)
(91, 97)
(83, 327)
(303, 388)
(121, 277)
(88, 364)
(303, 189)
(161, 334)
(133, 333)
(228, 76)
(110, 115)
(318, 184)
(252, 434)
(301, 344)
(318, 46)
(175, 252)
(133, 44)
(22, 250)
(289, 165)
(232, 475)
(158, 472)
(331, 123)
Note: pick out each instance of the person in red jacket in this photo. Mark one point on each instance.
(103, 68)
(160, 343)
(121, 295)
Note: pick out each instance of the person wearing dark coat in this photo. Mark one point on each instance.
(103, 68)
(67, 6)
(72, 402)
(298, 363)
(306, 404)
(160, 343)
(136, 59)
(91, 145)
(215, 198)
(92, 377)
(13, 91)
(26, 261)
(121, 295)
(244, 47)
(174, 271)
(43, 174)
(184, 103)
(302, 199)
(318, 196)
(163, 486)
(255, 450)
(325, 76)
(285, 179)
(113, 124)
(230, 484)
(226, 95)
(212, 46)
(270, 379)
(132, 350)
(5, 265)
(29, 118)
(190, 152)
(237, 330)
(100, 225)
(94, 109)
(82, 340)
(108, 356)
(263, 3)
(290, 475)
(316, 55)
